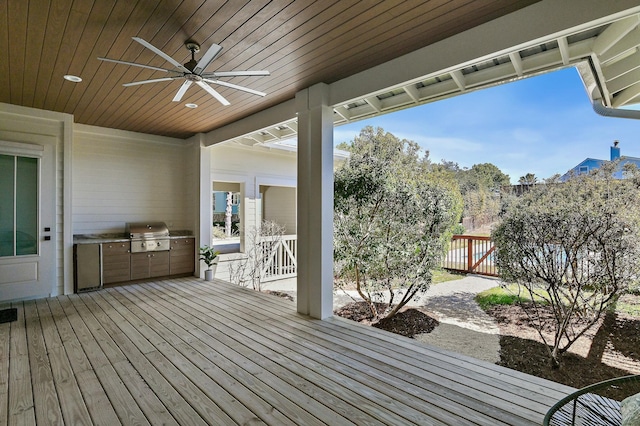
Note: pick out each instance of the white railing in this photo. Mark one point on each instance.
(281, 256)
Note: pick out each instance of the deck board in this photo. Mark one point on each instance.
(349, 374)
(349, 366)
(186, 351)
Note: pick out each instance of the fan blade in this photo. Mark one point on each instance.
(236, 73)
(213, 93)
(181, 91)
(161, 54)
(208, 57)
(235, 86)
(155, 80)
(135, 65)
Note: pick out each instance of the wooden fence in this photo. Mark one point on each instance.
(471, 254)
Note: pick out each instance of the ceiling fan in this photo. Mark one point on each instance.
(192, 71)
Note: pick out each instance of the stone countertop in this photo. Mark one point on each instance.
(120, 237)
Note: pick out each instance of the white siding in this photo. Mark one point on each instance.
(121, 177)
(252, 167)
(279, 205)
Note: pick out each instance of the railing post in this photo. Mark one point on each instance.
(469, 254)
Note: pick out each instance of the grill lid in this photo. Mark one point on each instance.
(146, 230)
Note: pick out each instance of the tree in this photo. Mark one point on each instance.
(480, 187)
(572, 247)
(528, 179)
(261, 243)
(392, 220)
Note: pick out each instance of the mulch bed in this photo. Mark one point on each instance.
(282, 294)
(616, 341)
(407, 322)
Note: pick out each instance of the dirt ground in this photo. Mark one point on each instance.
(611, 350)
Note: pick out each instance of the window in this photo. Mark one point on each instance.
(583, 170)
(18, 206)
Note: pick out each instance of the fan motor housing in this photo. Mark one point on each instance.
(192, 77)
(192, 46)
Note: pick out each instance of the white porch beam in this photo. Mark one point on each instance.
(624, 81)
(374, 102)
(606, 95)
(315, 202)
(343, 112)
(413, 93)
(516, 61)
(621, 67)
(630, 41)
(459, 79)
(614, 33)
(563, 45)
(266, 118)
(293, 125)
(628, 96)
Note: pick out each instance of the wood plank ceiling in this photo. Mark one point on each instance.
(300, 42)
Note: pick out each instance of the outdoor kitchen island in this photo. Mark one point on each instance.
(132, 256)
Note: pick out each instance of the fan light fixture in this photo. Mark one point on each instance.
(191, 105)
(193, 71)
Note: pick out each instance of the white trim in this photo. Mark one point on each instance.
(276, 181)
(102, 132)
(22, 149)
(67, 204)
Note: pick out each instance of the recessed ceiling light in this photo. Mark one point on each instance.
(191, 105)
(73, 78)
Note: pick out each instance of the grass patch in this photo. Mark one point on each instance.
(442, 275)
(497, 296)
(629, 304)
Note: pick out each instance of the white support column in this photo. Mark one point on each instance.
(315, 202)
(205, 206)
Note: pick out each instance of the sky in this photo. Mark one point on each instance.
(542, 125)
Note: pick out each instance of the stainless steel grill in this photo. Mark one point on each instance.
(148, 236)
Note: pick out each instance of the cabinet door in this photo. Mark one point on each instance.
(147, 265)
(182, 256)
(159, 264)
(140, 266)
(115, 262)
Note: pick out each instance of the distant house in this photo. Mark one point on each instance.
(589, 164)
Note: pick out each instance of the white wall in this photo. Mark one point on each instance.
(121, 177)
(279, 205)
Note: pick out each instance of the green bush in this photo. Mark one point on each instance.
(458, 229)
(497, 296)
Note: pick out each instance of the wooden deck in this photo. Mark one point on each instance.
(191, 352)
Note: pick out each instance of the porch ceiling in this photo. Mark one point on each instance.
(300, 42)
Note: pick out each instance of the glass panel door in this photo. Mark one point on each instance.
(18, 206)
